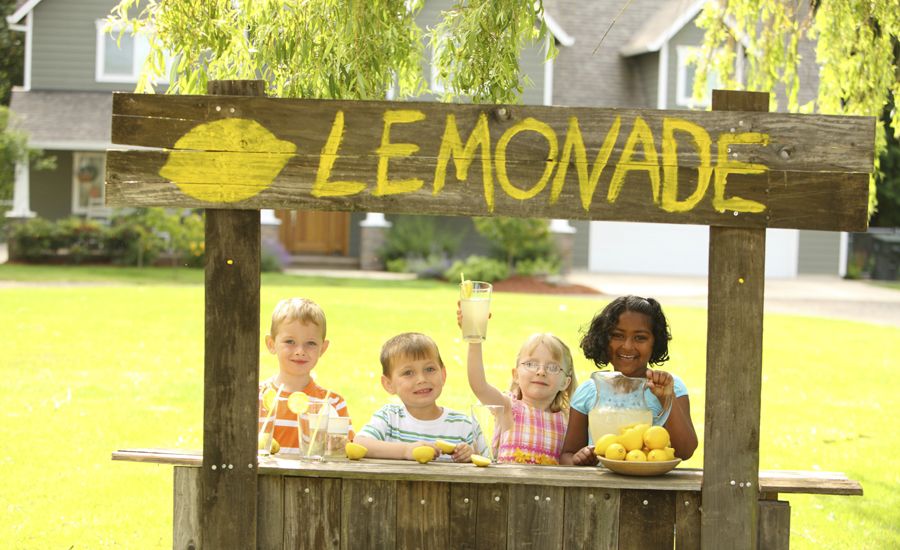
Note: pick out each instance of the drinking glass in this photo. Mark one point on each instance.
(312, 425)
(475, 304)
(486, 423)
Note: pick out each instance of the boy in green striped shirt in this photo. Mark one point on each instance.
(412, 369)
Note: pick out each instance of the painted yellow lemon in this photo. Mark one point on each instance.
(481, 461)
(603, 443)
(445, 446)
(631, 439)
(636, 455)
(656, 437)
(658, 455)
(226, 160)
(298, 402)
(355, 451)
(269, 399)
(615, 452)
(423, 454)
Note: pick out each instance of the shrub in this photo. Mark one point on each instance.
(538, 267)
(477, 268)
(417, 237)
(272, 256)
(32, 240)
(516, 239)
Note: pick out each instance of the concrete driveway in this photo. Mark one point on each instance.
(812, 295)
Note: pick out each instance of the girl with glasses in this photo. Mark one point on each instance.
(532, 416)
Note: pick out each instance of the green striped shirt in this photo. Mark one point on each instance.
(395, 424)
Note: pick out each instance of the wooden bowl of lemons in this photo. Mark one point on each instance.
(638, 467)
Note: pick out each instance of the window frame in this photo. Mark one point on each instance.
(98, 160)
(684, 96)
(138, 57)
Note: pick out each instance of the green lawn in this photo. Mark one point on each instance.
(88, 369)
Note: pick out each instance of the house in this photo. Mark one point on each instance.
(71, 67)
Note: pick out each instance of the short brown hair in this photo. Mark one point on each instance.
(297, 309)
(413, 345)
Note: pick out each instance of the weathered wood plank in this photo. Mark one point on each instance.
(680, 479)
(789, 200)
(647, 520)
(270, 513)
(423, 511)
(368, 514)
(312, 513)
(493, 517)
(231, 373)
(464, 515)
(774, 525)
(591, 519)
(186, 513)
(733, 372)
(535, 517)
(160, 121)
(687, 520)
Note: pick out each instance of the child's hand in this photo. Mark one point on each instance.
(458, 314)
(661, 383)
(462, 453)
(585, 457)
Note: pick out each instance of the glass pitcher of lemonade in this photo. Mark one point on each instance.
(621, 401)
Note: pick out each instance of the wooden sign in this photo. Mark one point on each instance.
(736, 169)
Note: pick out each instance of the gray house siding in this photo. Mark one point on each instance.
(64, 45)
(818, 253)
(690, 35)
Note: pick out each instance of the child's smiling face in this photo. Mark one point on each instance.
(417, 382)
(631, 344)
(298, 346)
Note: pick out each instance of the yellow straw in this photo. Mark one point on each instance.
(316, 431)
(272, 412)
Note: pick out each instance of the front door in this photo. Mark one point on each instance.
(307, 232)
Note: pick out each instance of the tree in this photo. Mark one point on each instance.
(12, 53)
(341, 49)
(857, 48)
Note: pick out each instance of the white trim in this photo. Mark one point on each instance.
(557, 31)
(139, 54)
(374, 219)
(267, 217)
(662, 80)
(22, 12)
(17, 28)
(548, 78)
(561, 226)
(29, 51)
(51, 145)
(21, 207)
(686, 17)
(683, 97)
(842, 254)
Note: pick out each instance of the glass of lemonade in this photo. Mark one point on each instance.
(475, 304)
(312, 425)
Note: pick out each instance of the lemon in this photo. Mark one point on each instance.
(445, 446)
(658, 455)
(269, 399)
(636, 455)
(480, 461)
(631, 439)
(275, 446)
(355, 451)
(423, 454)
(605, 441)
(465, 290)
(656, 437)
(298, 402)
(670, 452)
(615, 451)
(641, 428)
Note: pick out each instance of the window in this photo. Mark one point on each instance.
(121, 60)
(87, 182)
(684, 83)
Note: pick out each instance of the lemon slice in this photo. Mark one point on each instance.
(298, 402)
(423, 454)
(355, 451)
(269, 399)
(481, 461)
(465, 289)
(445, 446)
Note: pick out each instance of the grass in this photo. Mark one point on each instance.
(88, 369)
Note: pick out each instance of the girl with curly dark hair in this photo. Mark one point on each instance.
(630, 333)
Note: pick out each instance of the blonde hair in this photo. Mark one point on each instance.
(297, 309)
(560, 352)
(412, 345)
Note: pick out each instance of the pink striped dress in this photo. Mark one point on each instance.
(536, 436)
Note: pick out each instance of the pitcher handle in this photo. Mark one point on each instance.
(667, 406)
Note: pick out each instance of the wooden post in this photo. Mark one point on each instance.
(733, 368)
(231, 368)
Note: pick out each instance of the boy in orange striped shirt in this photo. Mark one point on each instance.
(297, 338)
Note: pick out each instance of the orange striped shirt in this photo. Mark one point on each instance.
(286, 432)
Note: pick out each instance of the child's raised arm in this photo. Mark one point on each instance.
(486, 393)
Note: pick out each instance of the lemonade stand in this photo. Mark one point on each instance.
(737, 169)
